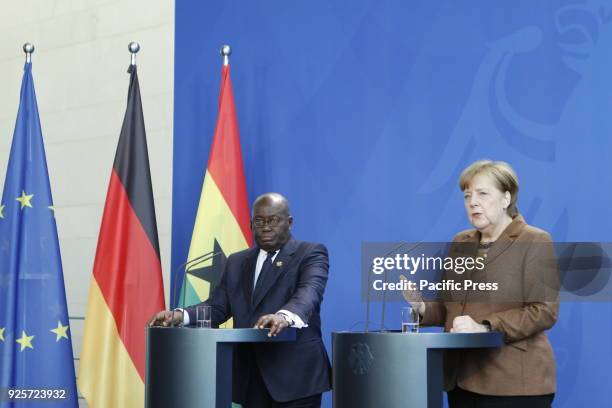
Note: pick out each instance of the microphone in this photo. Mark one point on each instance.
(185, 265)
(384, 304)
(191, 263)
(368, 300)
(202, 258)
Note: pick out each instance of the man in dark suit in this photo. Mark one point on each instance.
(277, 284)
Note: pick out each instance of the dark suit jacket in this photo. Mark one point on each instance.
(290, 370)
(522, 261)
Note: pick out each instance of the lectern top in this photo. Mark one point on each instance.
(225, 335)
(432, 340)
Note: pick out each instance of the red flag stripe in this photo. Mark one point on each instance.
(128, 271)
(225, 162)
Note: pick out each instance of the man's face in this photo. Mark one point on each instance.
(270, 225)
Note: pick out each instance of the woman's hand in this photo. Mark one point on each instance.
(465, 324)
(414, 298)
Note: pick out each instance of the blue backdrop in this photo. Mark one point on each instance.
(363, 113)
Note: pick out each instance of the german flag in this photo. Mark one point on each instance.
(222, 221)
(127, 288)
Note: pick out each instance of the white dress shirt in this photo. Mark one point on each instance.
(298, 323)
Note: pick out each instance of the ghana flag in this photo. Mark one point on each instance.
(126, 289)
(222, 220)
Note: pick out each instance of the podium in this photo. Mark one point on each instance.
(192, 367)
(394, 369)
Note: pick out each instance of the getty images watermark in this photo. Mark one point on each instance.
(502, 272)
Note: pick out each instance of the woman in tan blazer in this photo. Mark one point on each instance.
(520, 259)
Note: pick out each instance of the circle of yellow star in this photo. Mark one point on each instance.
(25, 199)
(2, 333)
(25, 341)
(60, 331)
(2, 211)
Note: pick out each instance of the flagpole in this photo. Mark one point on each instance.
(28, 48)
(226, 51)
(133, 47)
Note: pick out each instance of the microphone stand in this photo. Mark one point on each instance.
(382, 320)
(202, 258)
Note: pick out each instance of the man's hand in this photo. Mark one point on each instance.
(465, 324)
(275, 322)
(166, 318)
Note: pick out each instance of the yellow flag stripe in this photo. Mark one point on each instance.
(107, 376)
(214, 220)
(199, 286)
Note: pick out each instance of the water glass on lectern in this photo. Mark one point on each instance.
(410, 320)
(203, 315)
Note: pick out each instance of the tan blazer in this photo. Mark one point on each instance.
(520, 260)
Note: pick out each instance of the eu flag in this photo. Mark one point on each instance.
(35, 339)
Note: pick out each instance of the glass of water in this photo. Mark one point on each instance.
(410, 320)
(203, 315)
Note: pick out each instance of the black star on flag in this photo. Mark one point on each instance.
(212, 274)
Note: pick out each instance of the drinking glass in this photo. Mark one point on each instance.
(203, 314)
(410, 320)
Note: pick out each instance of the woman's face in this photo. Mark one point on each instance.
(485, 203)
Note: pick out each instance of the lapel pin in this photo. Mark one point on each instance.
(279, 264)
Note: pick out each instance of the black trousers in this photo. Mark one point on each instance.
(460, 398)
(259, 397)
